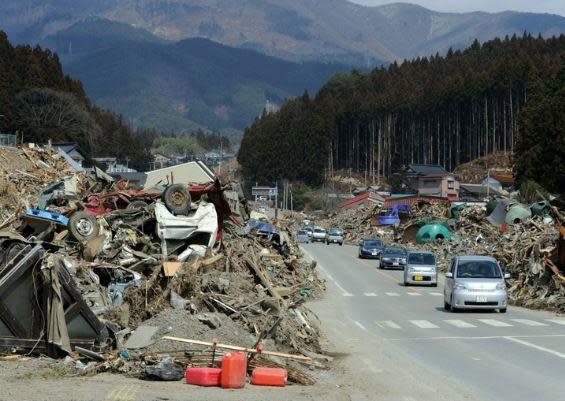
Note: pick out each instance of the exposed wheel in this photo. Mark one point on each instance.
(341, 244)
(406, 284)
(327, 243)
(434, 285)
(83, 226)
(502, 310)
(177, 199)
(138, 204)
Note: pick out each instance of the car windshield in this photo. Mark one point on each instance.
(302, 232)
(395, 251)
(421, 259)
(372, 244)
(478, 269)
(335, 231)
(319, 230)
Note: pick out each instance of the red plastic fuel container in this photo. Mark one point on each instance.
(269, 377)
(234, 370)
(206, 377)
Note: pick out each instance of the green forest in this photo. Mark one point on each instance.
(39, 102)
(503, 95)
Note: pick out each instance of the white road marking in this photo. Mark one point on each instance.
(424, 324)
(529, 322)
(393, 294)
(443, 338)
(459, 323)
(347, 294)
(414, 294)
(494, 323)
(534, 346)
(360, 325)
(436, 294)
(557, 321)
(388, 323)
(370, 294)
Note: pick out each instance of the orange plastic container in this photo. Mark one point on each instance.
(269, 377)
(234, 370)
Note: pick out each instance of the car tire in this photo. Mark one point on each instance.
(83, 226)
(434, 285)
(446, 306)
(341, 244)
(177, 199)
(502, 310)
(453, 308)
(406, 284)
(138, 204)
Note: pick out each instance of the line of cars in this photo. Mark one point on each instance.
(472, 282)
(319, 234)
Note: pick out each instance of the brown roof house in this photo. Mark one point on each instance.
(433, 181)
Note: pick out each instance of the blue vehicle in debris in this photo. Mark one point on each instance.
(391, 217)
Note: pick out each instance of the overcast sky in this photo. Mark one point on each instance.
(538, 6)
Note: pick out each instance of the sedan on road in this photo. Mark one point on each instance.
(370, 248)
(421, 268)
(393, 257)
(335, 236)
(319, 235)
(302, 237)
(475, 282)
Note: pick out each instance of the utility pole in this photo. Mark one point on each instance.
(291, 204)
(277, 201)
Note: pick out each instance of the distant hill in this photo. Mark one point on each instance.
(291, 29)
(180, 86)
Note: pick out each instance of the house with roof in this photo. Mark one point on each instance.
(72, 150)
(431, 180)
(363, 201)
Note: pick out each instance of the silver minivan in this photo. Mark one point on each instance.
(475, 282)
(421, 268)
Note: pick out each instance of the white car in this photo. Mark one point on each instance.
(319, 235)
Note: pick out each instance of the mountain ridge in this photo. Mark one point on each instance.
(332, 30)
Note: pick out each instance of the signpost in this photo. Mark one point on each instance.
(264, 193)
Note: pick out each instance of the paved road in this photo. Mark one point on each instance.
(516, 356)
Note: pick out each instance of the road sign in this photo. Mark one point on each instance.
(265, 191)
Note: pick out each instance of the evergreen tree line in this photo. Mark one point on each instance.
(40, 103)
(439, 110)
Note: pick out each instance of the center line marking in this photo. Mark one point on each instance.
(388, 323)
(534, 346)
(347, 294)
(414, 294)
(459, 323)
(529, 322)
(370, 294)
(360, 325)
(494, 323)
(557, 321)
(392, 294)
(424, 324)
(436, 294)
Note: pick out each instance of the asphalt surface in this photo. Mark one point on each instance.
(519, 355)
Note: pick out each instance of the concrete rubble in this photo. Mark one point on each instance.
(140, 270)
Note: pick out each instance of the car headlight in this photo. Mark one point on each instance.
(501, 286)
(458, 286)
(411, 270)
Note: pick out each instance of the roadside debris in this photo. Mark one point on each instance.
(108, 272)
(524, 239)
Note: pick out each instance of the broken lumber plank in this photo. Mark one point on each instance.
(242, 349)
(265, 281)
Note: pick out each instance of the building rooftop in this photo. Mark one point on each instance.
(425, 169)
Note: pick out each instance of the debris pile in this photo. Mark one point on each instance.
(524, 243)
(474, 172)
(108, 272)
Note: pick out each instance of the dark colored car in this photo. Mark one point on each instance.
(393, 257)
(370, 248)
